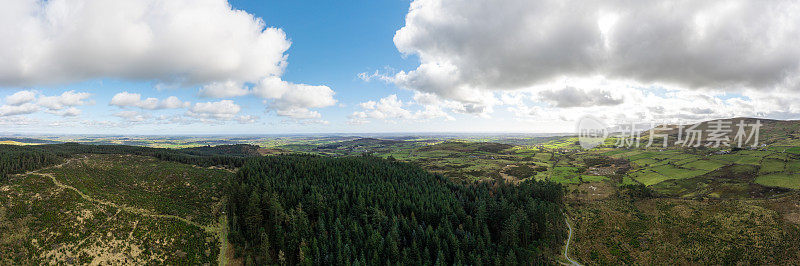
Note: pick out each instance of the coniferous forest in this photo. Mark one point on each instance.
(19, 159)
(366, 210)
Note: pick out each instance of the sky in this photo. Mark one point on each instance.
(158, 67)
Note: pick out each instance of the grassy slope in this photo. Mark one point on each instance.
(123, 223)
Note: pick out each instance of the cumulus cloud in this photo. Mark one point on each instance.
(224, 89)
(206, 43)
(223, 110)
(246, 119)
(192, 42)
(28, 102)
(467, 47)
(207, 112)
(20, 97)
(388, 107)
(293, 100)
(65, 100)
(573, 97)
(126, 99)
(27, 108)
(391, 108)
(132, 116)
(70, 111)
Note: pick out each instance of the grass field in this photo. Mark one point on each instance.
(771, 166)
(707, 165)
(648, 177)
(565, 175)
(793, 166)
(671, 172)
(780, 180)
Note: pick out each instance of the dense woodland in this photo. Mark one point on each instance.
(365, 210)
(19, 159)
(239, 150)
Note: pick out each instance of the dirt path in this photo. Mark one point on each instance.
(138, 211)
(569, 239)
(219, 231)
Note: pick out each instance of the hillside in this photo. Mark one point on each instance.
(112, 209)
(239, 150)
(772, 132)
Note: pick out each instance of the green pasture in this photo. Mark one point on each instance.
(780, 180)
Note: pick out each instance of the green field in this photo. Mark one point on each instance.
(780, 180)
(648, 177)
(707, 165)
(793, 166)
(771, 166)
(672, 172)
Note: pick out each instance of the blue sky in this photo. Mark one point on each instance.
(89, 66)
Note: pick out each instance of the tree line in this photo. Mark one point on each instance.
(19, 159)
(302, 209)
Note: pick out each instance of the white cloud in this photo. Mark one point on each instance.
(66, 99)
(293, 100)
(386, 108)
(17, 120)
(26, 108)
(391, 109)
(28, 102)
(193, 42)
(21, 97)
(286, 99)
(224, 89)
(246, 119)
(469, 47)
(573, 97)
(126, 99)
(132, 116)
(298, 113)
(70, 111)
(176, 43)
(222, 110)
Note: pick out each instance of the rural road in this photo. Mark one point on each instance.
(569, 239)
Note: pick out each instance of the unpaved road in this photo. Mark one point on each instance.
(219, 231)
(569, 239)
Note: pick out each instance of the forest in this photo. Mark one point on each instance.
(19, 159)
(303, 209)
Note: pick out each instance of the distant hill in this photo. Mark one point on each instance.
(360, 142)
(461, 146)
(240, 150)
(772, 132)
(28, 140)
